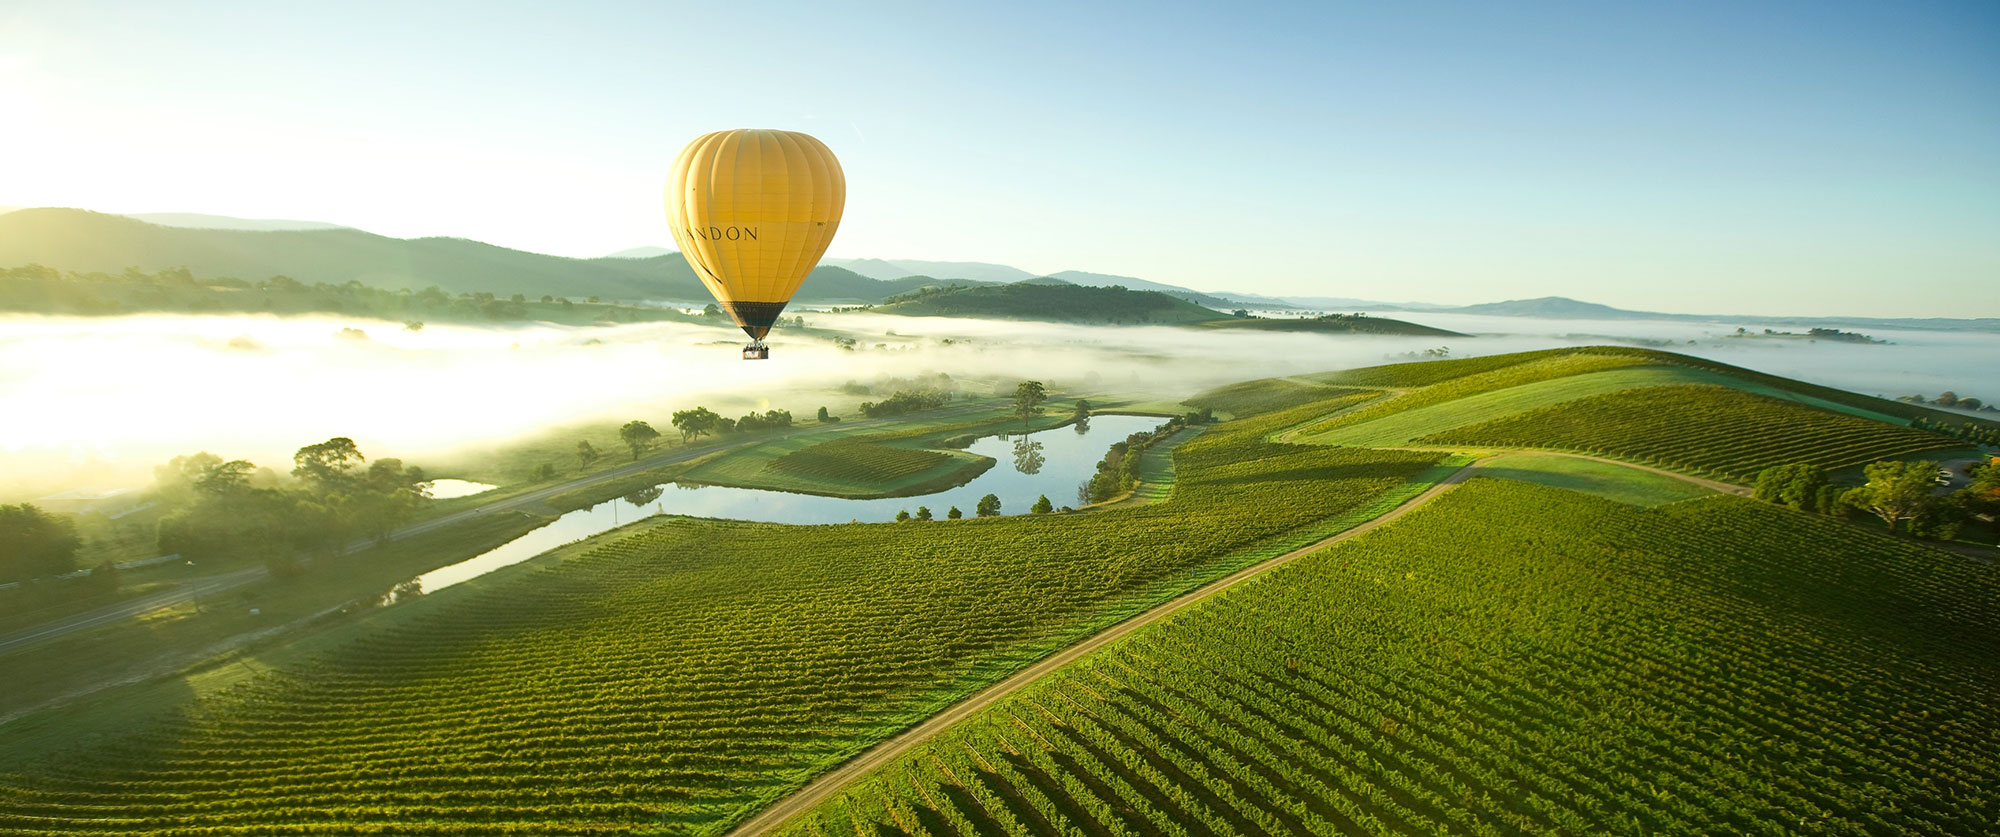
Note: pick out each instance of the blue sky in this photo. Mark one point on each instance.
(1810, 158)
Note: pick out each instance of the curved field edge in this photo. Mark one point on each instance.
(685, 672)
(1428, 373)
(1409, 424)
(1706, 429)
(779, 464)
(1611, 481)
(1509, 658)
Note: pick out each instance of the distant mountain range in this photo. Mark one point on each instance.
(93, 242)
(312, 251)
(197, 221)
(1564, 308)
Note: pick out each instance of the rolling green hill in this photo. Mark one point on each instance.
(91, 242)
(1659, 408)
(1512, 659)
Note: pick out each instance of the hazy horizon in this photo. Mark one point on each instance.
(1788, 158)
(452, 390)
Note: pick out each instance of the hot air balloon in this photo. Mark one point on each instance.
(753, 211)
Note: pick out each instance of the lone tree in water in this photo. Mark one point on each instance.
(638, 436)
(1028, 398)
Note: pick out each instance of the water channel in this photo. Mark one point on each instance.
(1028, 466)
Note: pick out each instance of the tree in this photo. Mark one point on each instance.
(1028, 398)
(824, 416)
(902, 515)
(1028, 458)
(954, 514)
(223, 478)
(645, 496)
(34, 543)
(1797, 486)
(1082, 410)
(1896, 491)
(989, 506)
(1240, 313)
(1042, 505)
(712, 312)
(545, 471)
(639, 436)
(326, 466)
(1947, 399)
(696, 423)
(586, 454)
(923, 512)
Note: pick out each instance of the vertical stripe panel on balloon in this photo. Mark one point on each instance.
(793, 268)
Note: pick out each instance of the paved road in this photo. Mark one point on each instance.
(209, 587)
(828, 784)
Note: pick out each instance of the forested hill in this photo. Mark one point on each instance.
(92, 242)
(1055, 300)
(1048, 300)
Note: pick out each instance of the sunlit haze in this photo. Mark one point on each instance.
(1780, 158)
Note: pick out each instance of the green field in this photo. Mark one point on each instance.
(1267, 394)
(1511, 659)
(1622, 483)
(858, 460)
(680, 673)
(912, 459)
(1704, 429)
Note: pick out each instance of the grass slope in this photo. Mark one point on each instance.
(1705, 429)
(683, 673)
(1412, 423)
(1510, 659)
(1624, 484)
(1264, 395)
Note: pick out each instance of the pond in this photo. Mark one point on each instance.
(447, 489)
(1050, 462)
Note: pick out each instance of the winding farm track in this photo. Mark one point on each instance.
(806, 798)
(770, 818)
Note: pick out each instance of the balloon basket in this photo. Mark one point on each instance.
(757, 351)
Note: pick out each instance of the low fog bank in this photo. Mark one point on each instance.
(99, 401)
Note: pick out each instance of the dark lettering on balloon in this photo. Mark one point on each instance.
(715, 233)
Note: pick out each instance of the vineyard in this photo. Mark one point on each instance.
(1262, 396)
(1712, 430)
(1510, 659)
(858, 460)
(680, 674)
(1516, 374)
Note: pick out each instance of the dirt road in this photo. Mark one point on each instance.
(772, 817)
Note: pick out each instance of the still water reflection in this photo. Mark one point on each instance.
(1051, 463)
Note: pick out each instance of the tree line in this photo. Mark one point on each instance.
(44, 290)
(1904, 495)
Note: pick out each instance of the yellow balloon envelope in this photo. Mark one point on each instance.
(753, 211)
